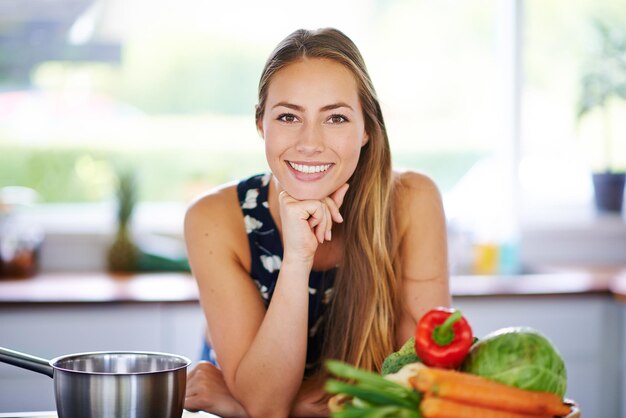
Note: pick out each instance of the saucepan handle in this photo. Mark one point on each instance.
(26, 361)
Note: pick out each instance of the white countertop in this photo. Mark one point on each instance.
(52, 414)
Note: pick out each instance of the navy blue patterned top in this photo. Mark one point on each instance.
(266, 253)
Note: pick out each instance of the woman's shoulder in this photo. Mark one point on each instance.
(214, 220)
(410, 184)
(224, 199)
(216, 215)
(415, 194)
(219, 200)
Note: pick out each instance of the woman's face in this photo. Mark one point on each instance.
(313, 127)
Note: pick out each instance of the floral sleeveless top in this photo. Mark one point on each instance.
(266, 252)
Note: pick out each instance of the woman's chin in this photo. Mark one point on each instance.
(306, 190)
(300, 194)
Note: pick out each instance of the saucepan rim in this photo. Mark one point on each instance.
(54, 362)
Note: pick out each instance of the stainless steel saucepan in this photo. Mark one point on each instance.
(115, 384)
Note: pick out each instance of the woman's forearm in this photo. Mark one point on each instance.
(270, 374)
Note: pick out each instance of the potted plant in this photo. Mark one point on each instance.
(603, 84)
(123, 254)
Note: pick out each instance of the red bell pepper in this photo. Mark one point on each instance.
(443, 338)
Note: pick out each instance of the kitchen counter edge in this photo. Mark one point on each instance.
(181, 287)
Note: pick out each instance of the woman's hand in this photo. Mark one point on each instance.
(207, 391)
(308, 223)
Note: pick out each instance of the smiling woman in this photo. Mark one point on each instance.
(357, 251)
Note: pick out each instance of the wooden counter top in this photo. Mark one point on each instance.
(180, 287)
(100, 287)
(618, 286)
(565, 283)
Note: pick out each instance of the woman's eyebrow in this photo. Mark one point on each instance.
(335, 106)
(289, 105)
(323, 109)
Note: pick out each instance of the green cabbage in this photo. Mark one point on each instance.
(520, 357)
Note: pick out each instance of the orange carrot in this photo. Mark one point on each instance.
(476, 390)
(432, 407)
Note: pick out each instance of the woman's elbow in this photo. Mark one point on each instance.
(266, 409)
(260, 404)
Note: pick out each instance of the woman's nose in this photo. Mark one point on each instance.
(310, 140)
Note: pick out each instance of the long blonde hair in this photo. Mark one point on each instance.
(361, 322)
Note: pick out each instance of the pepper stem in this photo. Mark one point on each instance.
(443, 334)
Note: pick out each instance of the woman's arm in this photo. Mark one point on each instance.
(261, 352)
(307, 403)
(423, 250)
(207, 391)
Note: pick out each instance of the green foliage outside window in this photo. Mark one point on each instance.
(87, 175)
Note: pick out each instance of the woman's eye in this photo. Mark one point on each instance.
(288, 118)
(337, 119)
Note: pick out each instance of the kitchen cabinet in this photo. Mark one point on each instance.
(584, 328)
(50, 330)
(583, 314)
(622, 363)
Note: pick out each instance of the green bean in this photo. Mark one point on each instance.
(370, 394)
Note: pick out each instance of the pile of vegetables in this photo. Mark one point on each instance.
(444, 372)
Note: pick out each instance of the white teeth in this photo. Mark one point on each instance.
(308, 169)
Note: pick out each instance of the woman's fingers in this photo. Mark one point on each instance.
(333, 210)
(338, 195)
(192, 404)
(315, 213)
(207, 391)
(319, 215)
(322, 226)
(194, 380)
(319, 221)
(329, 224)
(334, 202)
(312, 211)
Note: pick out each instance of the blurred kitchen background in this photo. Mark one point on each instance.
(482, 95)
(510, 105)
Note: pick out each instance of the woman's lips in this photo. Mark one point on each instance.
(309, 171)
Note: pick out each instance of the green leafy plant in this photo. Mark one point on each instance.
(604, 79)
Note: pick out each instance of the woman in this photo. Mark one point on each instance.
(331, 255)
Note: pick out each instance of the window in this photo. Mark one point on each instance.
(558, 152)
(170, 89)
(470, 90)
